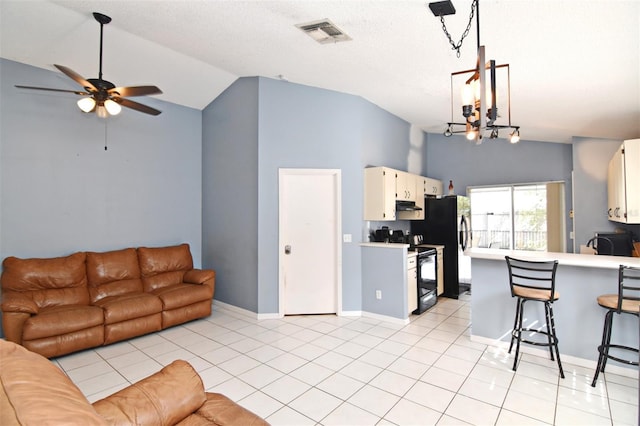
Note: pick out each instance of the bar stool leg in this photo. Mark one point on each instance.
(555, 340)
(551, 334)
(515, 325)
(609, 318)
(518, 330)
(603, 349)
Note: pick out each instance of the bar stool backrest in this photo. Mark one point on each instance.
(628, 285)
(537, 275)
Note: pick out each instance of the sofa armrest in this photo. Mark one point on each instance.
(198, 276)
(12, 325)
(220, 410)
(16, 302)
(164, 398)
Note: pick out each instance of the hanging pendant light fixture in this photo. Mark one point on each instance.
(479, 92)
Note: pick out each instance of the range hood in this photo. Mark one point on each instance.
(407, 206)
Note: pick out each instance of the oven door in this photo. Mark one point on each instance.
(427, 272)
(427, 279)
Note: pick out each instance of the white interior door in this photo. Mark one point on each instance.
(310, 248)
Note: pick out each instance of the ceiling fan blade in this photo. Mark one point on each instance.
(135, 91)
(137, 106)
(77, 92)
(76, 77)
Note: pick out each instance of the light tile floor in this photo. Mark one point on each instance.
(330, 370)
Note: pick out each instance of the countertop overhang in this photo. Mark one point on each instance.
(568, 259)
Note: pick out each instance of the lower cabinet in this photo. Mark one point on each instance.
(440, 270)
(412, 284)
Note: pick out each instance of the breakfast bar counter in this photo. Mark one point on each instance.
(579, 320)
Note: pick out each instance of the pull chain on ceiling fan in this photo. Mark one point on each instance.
(103, 97)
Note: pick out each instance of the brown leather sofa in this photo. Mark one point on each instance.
(60, 305)
(34, 391)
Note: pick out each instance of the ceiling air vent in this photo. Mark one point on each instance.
(324, 31)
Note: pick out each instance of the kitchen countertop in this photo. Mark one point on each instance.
(435, 246)
(386, 245)
(401, 245)
(568, 259)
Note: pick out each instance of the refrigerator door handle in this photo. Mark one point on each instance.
(464, 233)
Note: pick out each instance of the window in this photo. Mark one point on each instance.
(519, 217)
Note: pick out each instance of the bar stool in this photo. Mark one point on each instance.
(627, 301)
(534, 281)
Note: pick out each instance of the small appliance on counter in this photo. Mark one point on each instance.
(612, 243)
(386, 235)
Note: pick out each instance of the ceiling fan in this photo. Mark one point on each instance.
(103, 97)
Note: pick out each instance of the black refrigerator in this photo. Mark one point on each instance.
(447, 222)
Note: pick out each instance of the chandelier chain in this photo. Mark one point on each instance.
(457, 46)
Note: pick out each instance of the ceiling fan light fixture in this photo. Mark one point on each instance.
(101, 111)
(112, 107)
(86, 104)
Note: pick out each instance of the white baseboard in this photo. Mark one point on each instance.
(233, 308)
(350, 313)
(386, 318)
(270, 316)
(580, 362)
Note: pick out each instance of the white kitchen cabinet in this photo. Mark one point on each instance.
(406, 187)
(417, 189)
(440, 268)
(384, 185)
(412, 283)
(623, 183)
(433, 186)
(379, 193)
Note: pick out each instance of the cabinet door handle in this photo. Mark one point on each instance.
(609, 213)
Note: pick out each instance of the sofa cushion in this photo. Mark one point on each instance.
(164, 266)
(58, 320)
(113, 273)
(129, 306)
(48, 282)
(36, 392)
(179, 295)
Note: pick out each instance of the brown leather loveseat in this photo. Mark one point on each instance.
(60, 305)
(33, 391)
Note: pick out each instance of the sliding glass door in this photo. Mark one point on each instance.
(519, 217)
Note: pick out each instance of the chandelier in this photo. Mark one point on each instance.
(480, 92)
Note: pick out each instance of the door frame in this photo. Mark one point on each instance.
(337, 175)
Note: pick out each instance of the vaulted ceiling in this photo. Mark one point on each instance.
(574, 64)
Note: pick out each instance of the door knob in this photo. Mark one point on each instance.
(287, 249)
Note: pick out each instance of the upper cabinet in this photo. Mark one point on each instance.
(623, 183)
(379, 193)
(384, 186)
(405, 186)
(433, 187)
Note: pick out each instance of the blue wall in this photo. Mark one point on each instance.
(297, 127)
(498, 162)
(61, 192)
(230, 193)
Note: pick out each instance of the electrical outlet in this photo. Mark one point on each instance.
(346, 238)
(378, 294)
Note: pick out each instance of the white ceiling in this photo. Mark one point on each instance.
(574, 64)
